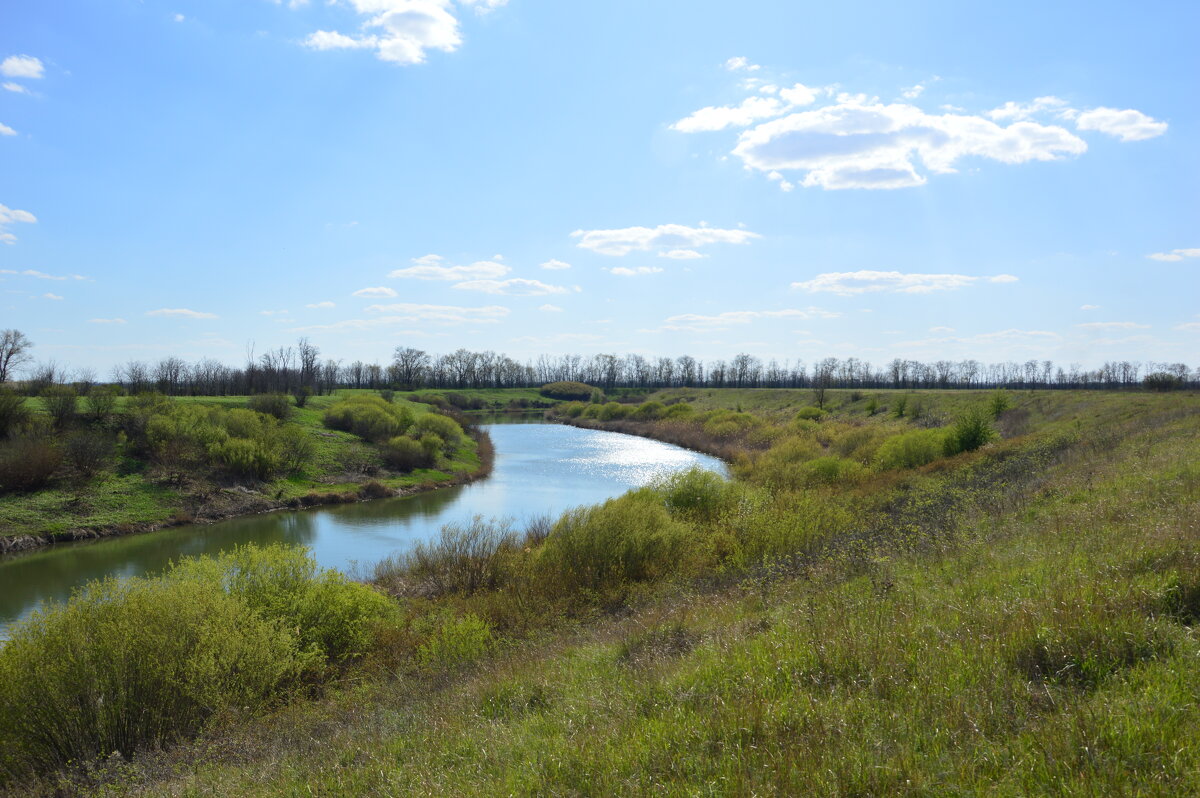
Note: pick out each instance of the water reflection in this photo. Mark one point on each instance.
(540, 469)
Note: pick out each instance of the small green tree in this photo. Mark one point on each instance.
(60, 404)
(999, 402)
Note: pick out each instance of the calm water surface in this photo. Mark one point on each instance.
(540, 469)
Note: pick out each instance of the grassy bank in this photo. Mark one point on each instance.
(863, 611)
(144, 482)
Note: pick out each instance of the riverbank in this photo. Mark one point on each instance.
(138, 496)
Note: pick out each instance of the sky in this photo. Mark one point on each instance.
(795, 180)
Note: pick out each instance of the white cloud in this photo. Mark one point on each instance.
(624, 272)
(516, 286)
(377, 291)
(182, 312)
(427, 269)
(555, 265)
(1113, 325)
(50, 296)
(12, 216)
(42, 275)
(15, 87)
(861, 143)
(912, 92)
(550, 309)
(22, 66)
(1019, 112)
(664, 237)
(325, 304)
(865, 281)
(399, 31)
(179, 17)
(941, 329)
(107, 321)
(695, 322)
(5, 130)
(1089, 307)
(716, 117)
(1127, 125)
(681, 254)
(1175, 255)
(484, 6)
(740, 64)
(1189, 326)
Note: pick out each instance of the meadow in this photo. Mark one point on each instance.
(915, 593)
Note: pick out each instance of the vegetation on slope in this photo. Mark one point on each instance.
(113, 463)
(1015, 619)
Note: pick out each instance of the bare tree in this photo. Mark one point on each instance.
(14, 352)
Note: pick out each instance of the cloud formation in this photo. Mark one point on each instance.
(624, 272)
(866, 281)
(375, 291)
(22, 66)
(516, 286)
(401, 31)
(42, 275)
(13, 216)
(695, 322)
(1175, 255)
(182, 313)
(664, 238)
(555, 265)
(857, 142)
(429, 268)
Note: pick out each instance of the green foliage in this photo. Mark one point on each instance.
(811, 413)
(88, 452)
(999, 402)
(567, 390)
(970, 431)
(911, 449)
(696, 493)
(302, 393)
(900, 406)
(610, 411)
(602, 548)
(387, 394)
(245, 458)
(443, 427)
(369, 417)
(1162, 381)
(456, 642)
(679, 410)
(648, 411)
(405, 454)
(272, 404)
(571, 409)
(872, 406)
(830, 471)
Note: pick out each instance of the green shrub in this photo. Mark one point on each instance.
(611, 411)
(432, 446)
(695, 493)
(369, 417)
(241, 423)
(998, 403)
(680, 410)
(567, 390)
(811, 413)
(900, 406)
(970, 431)
(911, 449)
(444, 427)
(272, 404)
(464, 558)
(648, 411)
(630, 539)
(405, 454)
(101, 401)
(456, 642)
(592, 411)
(245, 458)
(831, 471)
(571, 409)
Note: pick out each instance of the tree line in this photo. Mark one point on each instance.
(299, 370)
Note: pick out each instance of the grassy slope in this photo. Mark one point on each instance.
(128, 497)
(1024, 627)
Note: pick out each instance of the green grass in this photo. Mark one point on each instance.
(1017, 620)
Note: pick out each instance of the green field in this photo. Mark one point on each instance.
(1014, 619)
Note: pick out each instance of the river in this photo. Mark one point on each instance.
(540, 469)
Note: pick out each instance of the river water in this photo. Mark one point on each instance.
(540, 469)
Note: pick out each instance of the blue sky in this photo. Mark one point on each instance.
(790, 179)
